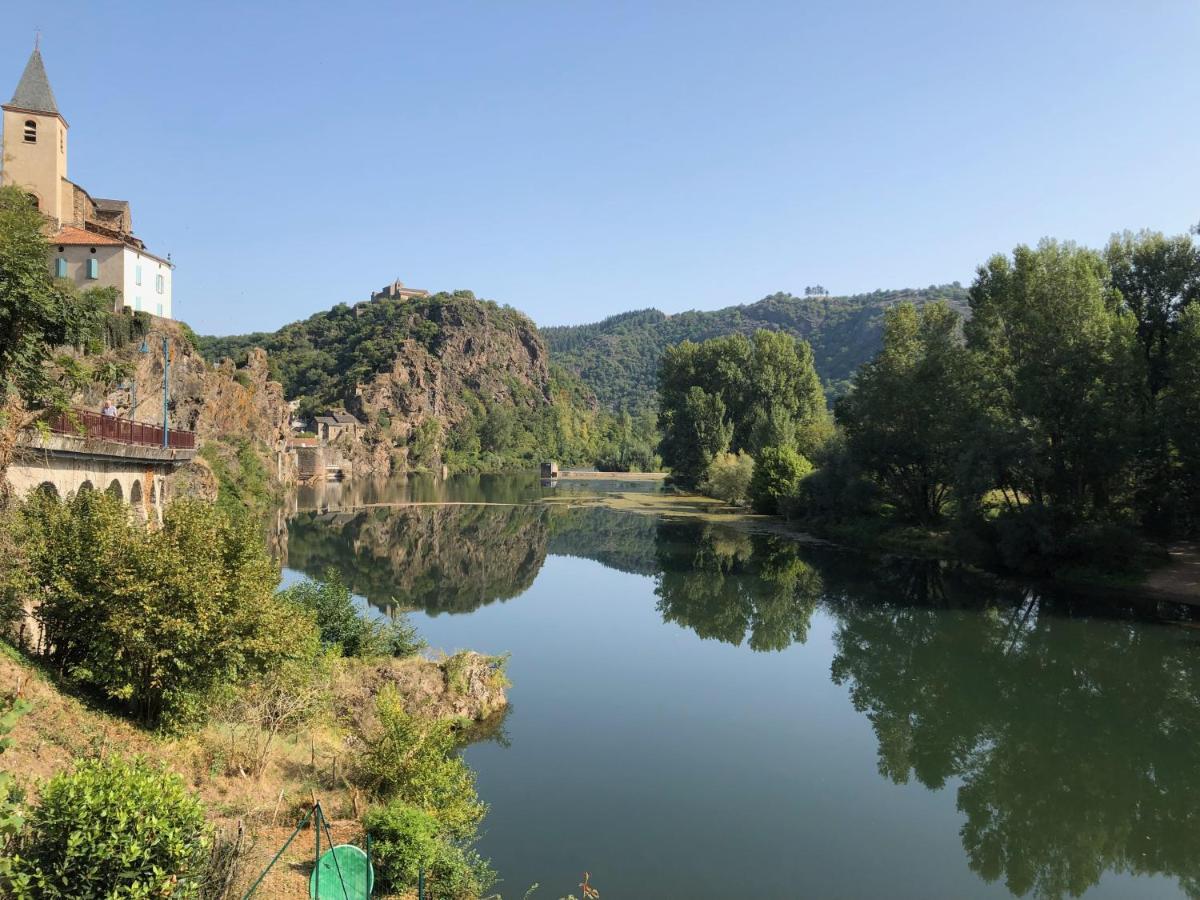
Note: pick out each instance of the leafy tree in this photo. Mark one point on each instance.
(117, 828)
(908, 410)
(156, 620)
(1158, 277)
(737, 393)
(1181, 406)
(36, 312)
(729, 477)
(343, 627)
(1057, 365)
(694, 433)
(777, 475)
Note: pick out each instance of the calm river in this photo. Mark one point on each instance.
(699, 712)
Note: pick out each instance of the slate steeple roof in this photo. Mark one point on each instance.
(33, 91)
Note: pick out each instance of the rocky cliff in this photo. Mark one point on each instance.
(234, 410)
(442, 379)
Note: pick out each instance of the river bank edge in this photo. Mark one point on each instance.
(257, 811)
(1167, 574)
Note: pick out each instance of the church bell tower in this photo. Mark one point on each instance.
(34, 154)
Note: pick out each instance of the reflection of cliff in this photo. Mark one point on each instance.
(436, 558)
(357, 493)
(1075, 740)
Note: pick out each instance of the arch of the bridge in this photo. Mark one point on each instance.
(144, 489)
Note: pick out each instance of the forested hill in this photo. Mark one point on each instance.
(618, 357)
(448, 379)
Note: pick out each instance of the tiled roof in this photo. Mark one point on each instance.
(345, 419)
(33, 90)
(69, 234)
(110, 205)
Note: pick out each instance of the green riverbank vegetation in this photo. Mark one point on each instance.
(160, 670)
(1054, 430)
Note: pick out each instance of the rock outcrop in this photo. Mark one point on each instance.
(428, 377)
(468, 686)
(221, 403)
(482, 356)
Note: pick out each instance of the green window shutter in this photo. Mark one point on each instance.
(93, 268)
(60, 268)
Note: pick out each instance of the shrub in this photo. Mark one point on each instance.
(416, 761)
(156, 620)
(279, 702)
(341, 624)
(729, 477)
(118, 828)
(11, 814)
(406, 840)
(777, 475)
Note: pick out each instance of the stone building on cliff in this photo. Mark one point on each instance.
(91, 238)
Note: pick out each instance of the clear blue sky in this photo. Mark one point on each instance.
(576, 159)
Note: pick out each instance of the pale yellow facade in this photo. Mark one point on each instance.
(92, 243)
(35, 158)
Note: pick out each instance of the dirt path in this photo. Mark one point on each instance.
(1180, 578)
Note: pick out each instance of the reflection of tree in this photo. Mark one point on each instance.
(618, 540)
(725, 584)
(1075, 739)
(436, 558)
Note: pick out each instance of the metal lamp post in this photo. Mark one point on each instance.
(166, 361)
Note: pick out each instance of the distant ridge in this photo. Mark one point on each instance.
(618, 356)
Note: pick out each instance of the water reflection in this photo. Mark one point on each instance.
(434, 558)
(732, 586)
(1075, 741)
(1066, 729)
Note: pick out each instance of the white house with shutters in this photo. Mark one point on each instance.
(91, 239)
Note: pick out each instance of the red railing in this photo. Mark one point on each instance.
(83, 423)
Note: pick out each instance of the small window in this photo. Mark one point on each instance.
(93, 269)
(30, 131)
(160, 310)
(158, 283)
(137, 274)
(60, 267)
(137, 303)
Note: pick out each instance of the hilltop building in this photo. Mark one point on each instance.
(92, 240)
(397, 291)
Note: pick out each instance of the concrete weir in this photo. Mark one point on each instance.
(66, 464)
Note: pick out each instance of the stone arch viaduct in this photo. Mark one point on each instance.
(107, 457)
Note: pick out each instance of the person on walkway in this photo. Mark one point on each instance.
(109, 410)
